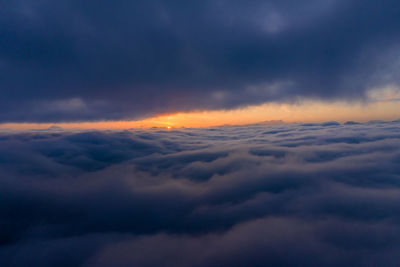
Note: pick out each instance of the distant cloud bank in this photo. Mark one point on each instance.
(290, 194)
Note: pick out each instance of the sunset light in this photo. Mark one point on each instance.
(305, 111)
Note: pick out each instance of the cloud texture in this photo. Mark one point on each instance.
(70, 60)
(291, 194)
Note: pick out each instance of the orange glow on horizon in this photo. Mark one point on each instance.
(308, 111)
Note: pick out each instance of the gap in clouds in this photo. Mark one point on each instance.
(383, 104)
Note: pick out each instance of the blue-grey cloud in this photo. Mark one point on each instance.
(74, 61)
(290, 194)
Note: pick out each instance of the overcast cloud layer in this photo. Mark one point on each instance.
(298, 195)
(73, 60)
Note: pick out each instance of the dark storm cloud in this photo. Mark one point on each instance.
(94, 60)
(290, 194)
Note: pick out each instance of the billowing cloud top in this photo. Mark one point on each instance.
(72, 60)
(285, 195)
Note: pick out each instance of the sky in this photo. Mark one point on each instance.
(199, 133)
(68, 62)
